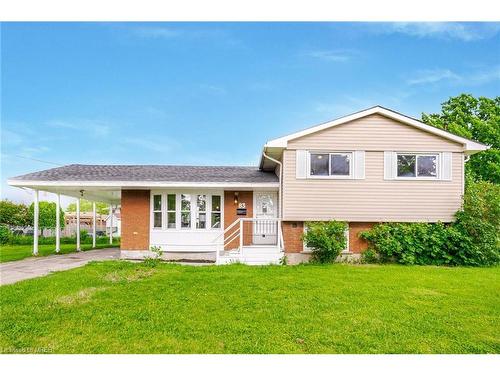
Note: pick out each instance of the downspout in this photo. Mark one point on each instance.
(280, 206)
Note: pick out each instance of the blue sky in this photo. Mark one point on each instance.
(213, 93)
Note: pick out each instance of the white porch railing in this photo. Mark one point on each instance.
(249, 232)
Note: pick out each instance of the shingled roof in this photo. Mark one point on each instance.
(156, 173)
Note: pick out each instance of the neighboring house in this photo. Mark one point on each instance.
(86, 222)
(372, 166)
(115, 222)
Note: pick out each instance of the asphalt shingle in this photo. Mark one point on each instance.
(157, 173)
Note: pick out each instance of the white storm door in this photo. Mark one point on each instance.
(265, 228)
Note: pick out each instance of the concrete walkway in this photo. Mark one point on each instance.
(12, 272)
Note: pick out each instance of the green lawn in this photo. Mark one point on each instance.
(17, 252)
(122, 307)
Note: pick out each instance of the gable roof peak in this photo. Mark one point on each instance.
(470, 146)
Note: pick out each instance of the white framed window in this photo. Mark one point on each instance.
(178, 210)
(415, 165)
(185, 211)
(330, 164)
(171, 211)
(216, 216)
(201, 211)
(157, 211)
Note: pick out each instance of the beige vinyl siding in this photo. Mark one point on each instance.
(372, 199)
(374, 133)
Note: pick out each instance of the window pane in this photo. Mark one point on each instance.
(156, 202)
(339, 165)
(171, 220)
(201, 221)
(406, 165)
(215, 220)
(201, 202)
(185, 219)
(185, 202)
(319, 164)
(426, 166)
(171, 202)
(157, 219)
(215, 202)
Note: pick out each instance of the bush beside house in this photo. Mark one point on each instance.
(472, 240)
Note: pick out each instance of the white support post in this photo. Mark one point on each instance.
(35, 222)
(58, 223)
(78, 248)
(110, 224)
(94, 217)
(278, 239)
(241, 235)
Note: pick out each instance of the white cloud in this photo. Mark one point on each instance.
(332, 55)
(466, 32)
(213, 89)
(97, 128)
(157, 32)
(435, 76)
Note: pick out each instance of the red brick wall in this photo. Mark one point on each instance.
(230, 215)
(135, 220)
(356, 244)
(292, 236)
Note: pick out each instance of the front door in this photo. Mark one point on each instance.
(265, 228)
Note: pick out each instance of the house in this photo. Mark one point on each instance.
(86, 223)
(114, 223)
(372, 166)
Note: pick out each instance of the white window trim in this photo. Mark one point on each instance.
(193, 211)
(167, 211)
(152, 210)
(423, 178)
(331, 177)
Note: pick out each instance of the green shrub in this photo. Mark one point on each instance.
(479, 224)
(472, 240)
(369, 256)
(326, 239)
(4, 234)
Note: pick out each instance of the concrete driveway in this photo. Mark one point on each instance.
(12, 272)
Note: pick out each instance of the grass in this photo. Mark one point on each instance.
(123, 307)
(16, 252)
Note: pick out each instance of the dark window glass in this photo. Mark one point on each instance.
(427, 166)
(157, 219)
(216, 219)
(339, 165)
(216, 203)
(319, 164)
(171, 202)
(171, 220)
(156, 202)
(406, 165)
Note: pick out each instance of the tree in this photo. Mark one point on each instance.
(86, 206)
(47, 215)
(14, 214)
(477, 119)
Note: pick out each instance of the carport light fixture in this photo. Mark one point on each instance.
(236, 197)
(81, 193)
